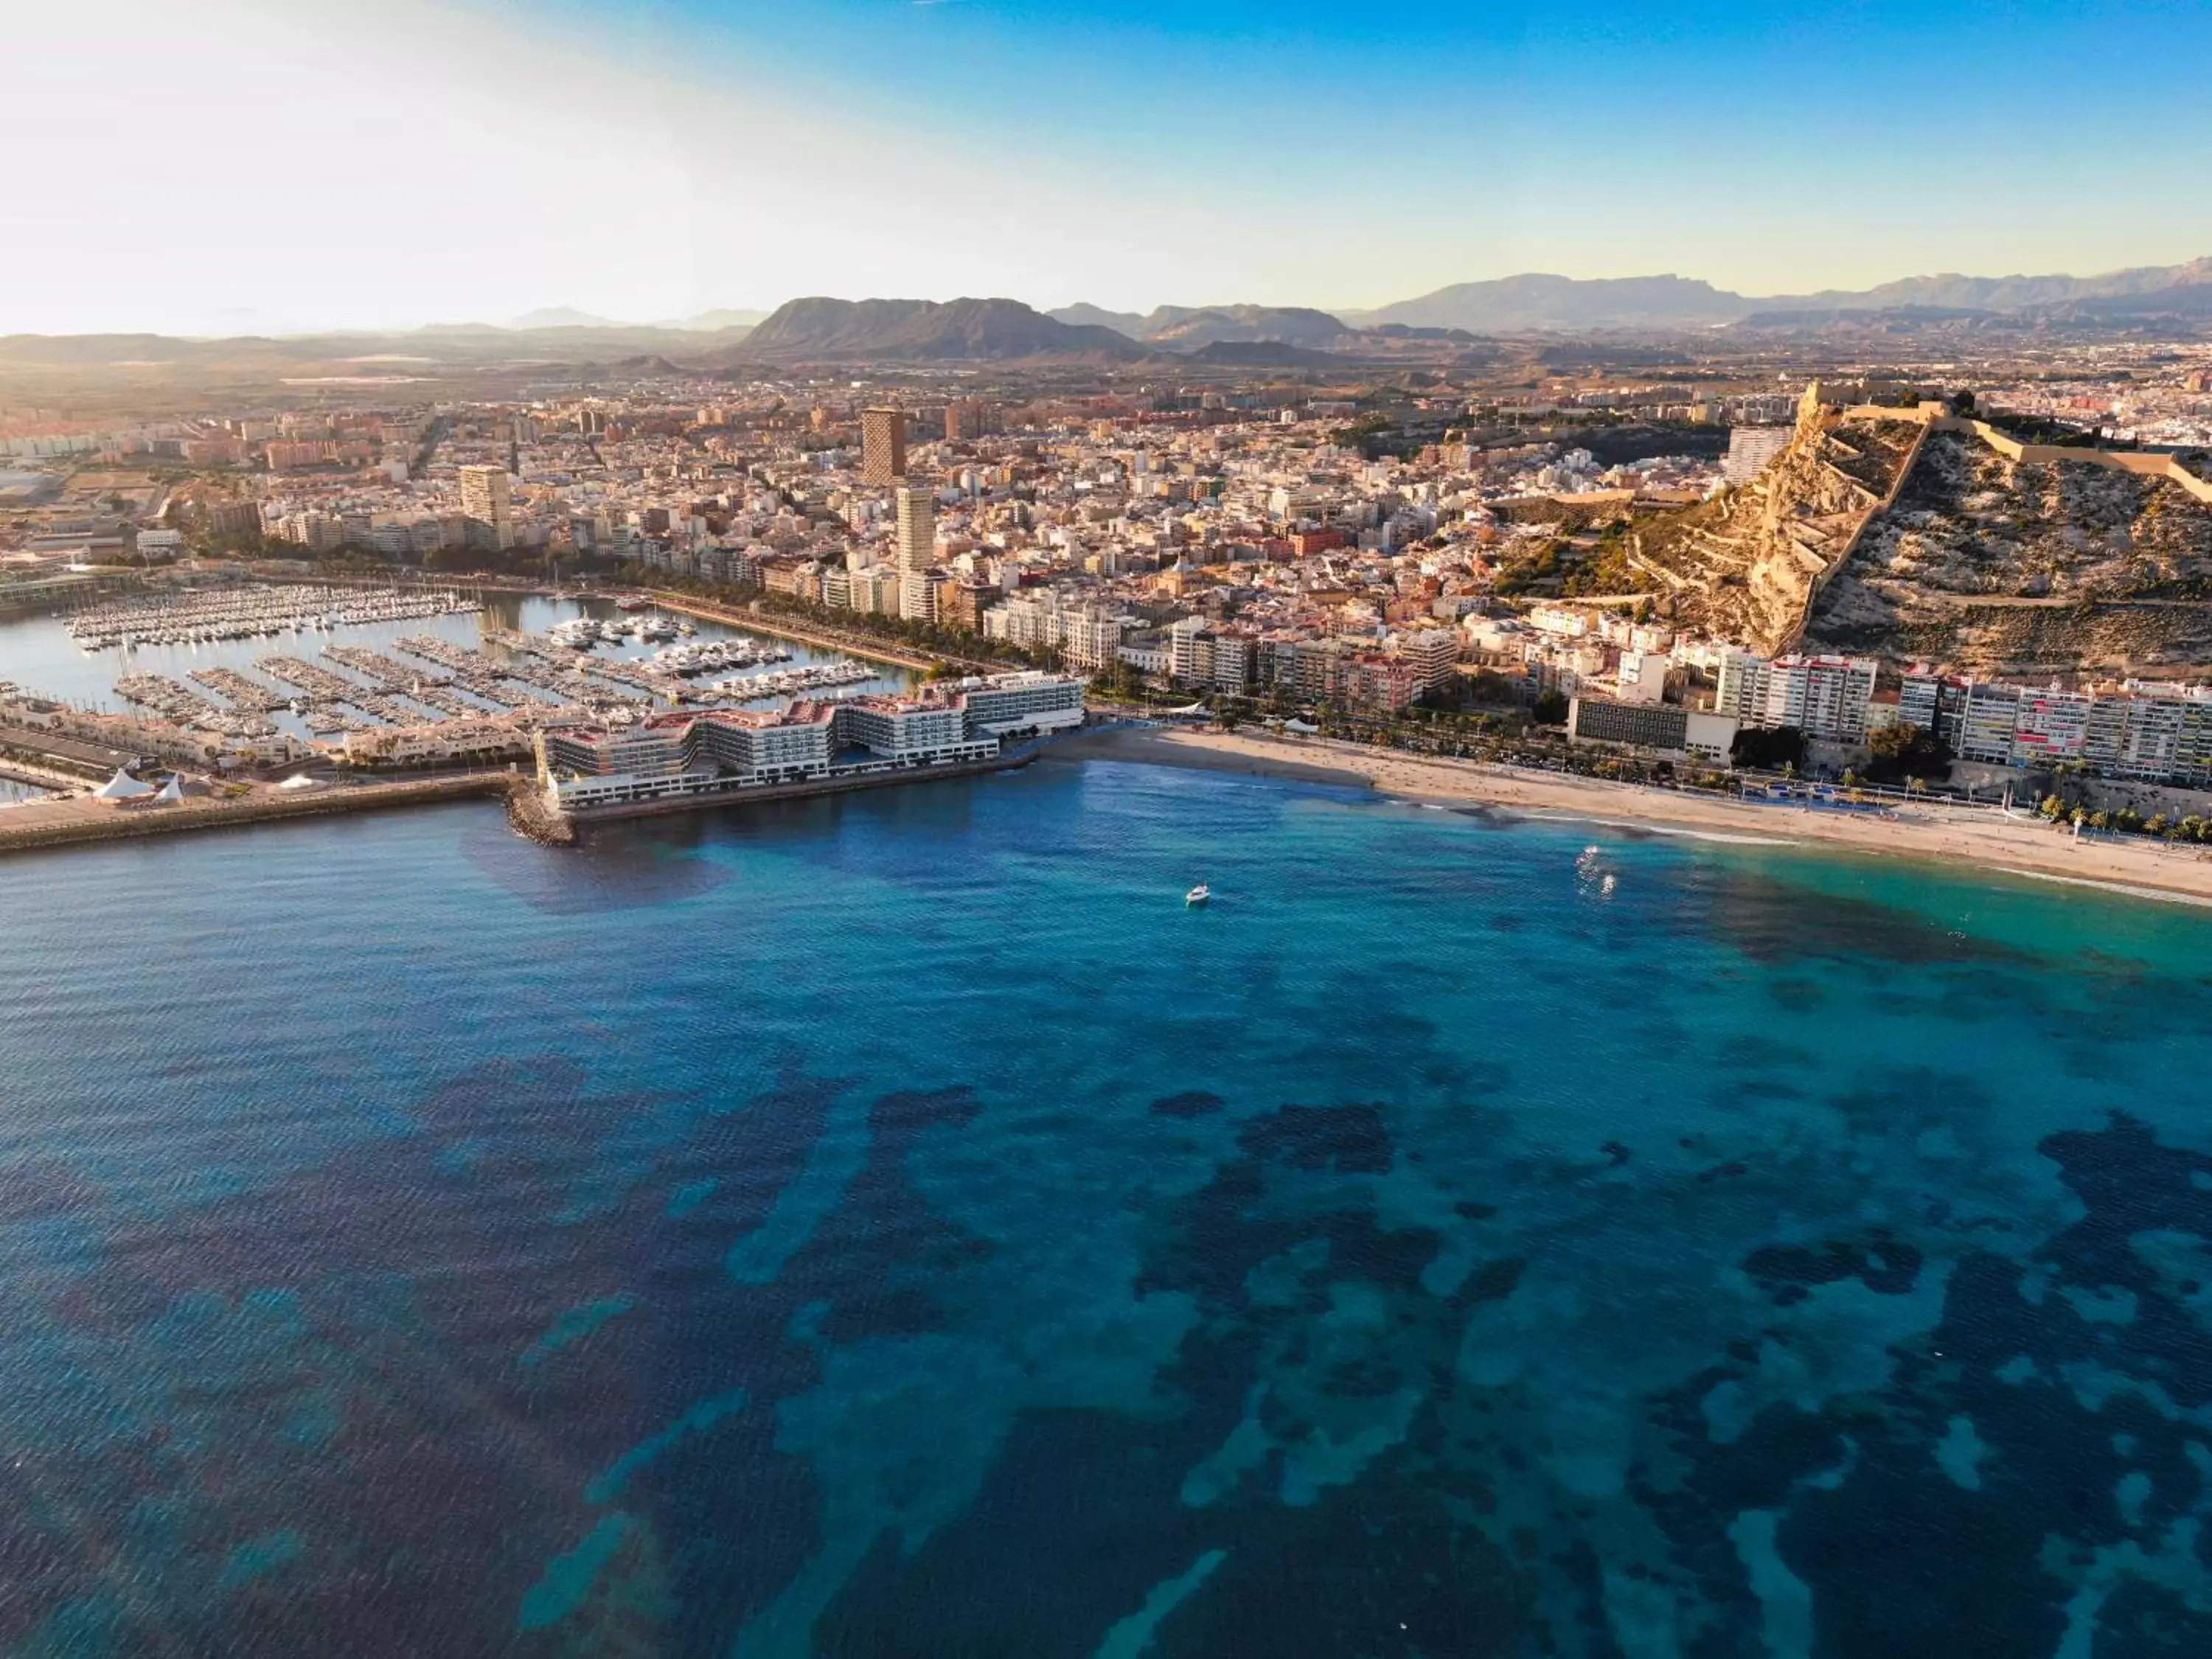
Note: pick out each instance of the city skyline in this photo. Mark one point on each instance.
(238, 169)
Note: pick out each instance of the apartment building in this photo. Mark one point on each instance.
(1824, 697)
(2147, 733)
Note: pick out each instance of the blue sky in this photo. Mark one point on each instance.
(649, 159)
(1770, 148)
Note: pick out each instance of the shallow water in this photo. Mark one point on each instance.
(896, 1224)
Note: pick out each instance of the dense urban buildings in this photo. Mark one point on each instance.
(1361, 547)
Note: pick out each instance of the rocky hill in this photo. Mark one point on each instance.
(922, 330)
(1743, 565)
(1292, 325)
(2024, 567)
(1981, 563)
(1185, 328)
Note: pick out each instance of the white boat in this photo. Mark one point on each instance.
(1198, 894)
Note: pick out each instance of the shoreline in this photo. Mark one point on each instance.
(1982, 840)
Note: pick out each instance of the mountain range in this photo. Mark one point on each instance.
(1541, 302)
(1531, 303)
(2172, 302)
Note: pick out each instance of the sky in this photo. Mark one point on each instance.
(222, 167)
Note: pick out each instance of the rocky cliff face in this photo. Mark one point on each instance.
(1744, 565)
(2002, 567)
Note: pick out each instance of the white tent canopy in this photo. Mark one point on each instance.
(174, 790)
(122, 786)
(300, 781)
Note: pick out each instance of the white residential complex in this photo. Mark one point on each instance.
(1824, 697)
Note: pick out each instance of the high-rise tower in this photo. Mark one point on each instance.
(882, 446)
(486, 504)
(917, 528)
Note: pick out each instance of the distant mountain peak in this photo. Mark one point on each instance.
(563, 317)
(1188, 328)
(993, 330)
(1544, 300)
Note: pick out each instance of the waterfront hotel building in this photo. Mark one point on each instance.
(720, 751)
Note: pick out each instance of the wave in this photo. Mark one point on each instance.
(1646, 827)
(2163, 894)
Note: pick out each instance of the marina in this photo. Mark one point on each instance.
(249, 696)
(420, 660)
(202, 615)
(791, 681)
(716, 656)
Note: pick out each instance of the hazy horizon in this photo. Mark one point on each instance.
(237, 167)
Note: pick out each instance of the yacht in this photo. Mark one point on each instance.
(1198, 894)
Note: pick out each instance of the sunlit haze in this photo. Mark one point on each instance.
(233, 166)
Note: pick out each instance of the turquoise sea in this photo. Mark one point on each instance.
(895, 1225)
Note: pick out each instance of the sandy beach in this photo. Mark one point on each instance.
(1984, 839)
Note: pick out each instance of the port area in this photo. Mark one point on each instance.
(750, 794)
(83, 819)
(863, 646)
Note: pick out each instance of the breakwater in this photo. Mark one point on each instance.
(44, 825)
